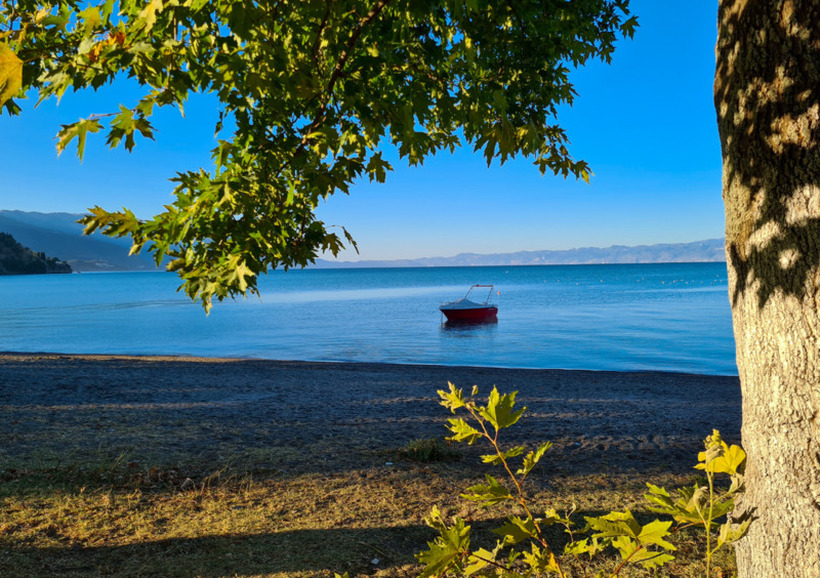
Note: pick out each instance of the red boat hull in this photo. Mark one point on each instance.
(474, 314)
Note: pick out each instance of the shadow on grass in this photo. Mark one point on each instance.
(295, 552)
(373, 551)
(386, 551)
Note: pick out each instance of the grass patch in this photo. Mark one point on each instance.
(164, 522)
(124, 519)
(426, 450)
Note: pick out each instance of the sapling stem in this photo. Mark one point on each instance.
(710, 477)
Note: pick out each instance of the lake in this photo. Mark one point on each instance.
(664, 317)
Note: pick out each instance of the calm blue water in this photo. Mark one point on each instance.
(668, 317)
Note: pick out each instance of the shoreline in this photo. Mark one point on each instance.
(300, 416)
(218, 359)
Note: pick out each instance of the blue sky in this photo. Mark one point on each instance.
(645, 123)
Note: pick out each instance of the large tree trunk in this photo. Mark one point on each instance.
(767, 95)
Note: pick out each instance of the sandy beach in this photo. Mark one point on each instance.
(298, 417)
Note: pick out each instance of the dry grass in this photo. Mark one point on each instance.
(118, 518)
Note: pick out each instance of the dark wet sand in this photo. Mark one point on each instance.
(303, 416)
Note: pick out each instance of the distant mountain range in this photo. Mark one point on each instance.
(59, 235)
(711, 250)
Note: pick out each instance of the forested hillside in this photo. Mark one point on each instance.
(61, 234)
(18, 260)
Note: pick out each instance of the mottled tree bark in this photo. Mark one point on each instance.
(767, 95)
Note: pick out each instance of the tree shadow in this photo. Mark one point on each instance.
(311, 552)
(769, 128)
(320, 552)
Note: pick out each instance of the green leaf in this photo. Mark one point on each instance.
(452, 399)
(615, 524)
(499, 411)
(148, 15)
(532, 458)
(541, 560)
(657, 560)
(125, 124)
(589, 546)
(377, 168)
(551, 517)
(498, 459)
(650, 559)
(11, 73)
(722, 507)
(91, 18)
(462, 431)
(489, 494)
(221, 156)
(733, 530)
(659, 492)
(654, 533)
(445, 551)
(77, 130)
(629, 27)
(719, 458)
(479, 560)
(636, 553)
(241, 274)
(517, 530)
(107, 10)
(625, 545)
(119, 224)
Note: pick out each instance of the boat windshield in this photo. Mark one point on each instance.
(476, 292)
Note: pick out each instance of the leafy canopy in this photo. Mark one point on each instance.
(311, 91)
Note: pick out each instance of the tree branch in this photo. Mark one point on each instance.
(337, 73)
(337, 70)
(317, 42)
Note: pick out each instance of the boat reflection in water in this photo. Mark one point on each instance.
(469, 327)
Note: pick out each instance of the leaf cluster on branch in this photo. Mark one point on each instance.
(311, 92)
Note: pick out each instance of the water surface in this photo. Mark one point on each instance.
(667, 317)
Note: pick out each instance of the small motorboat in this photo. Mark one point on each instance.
(466, 309)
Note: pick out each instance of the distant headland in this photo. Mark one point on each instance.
(15, 259)
(60, 234)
